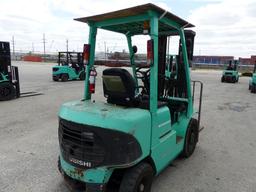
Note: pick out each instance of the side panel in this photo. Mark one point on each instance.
(65, 69)
(254, 78)
(168, 140)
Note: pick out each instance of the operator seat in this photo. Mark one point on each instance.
(119, 86)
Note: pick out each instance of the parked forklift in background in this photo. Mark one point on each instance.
(252, 81)
(70, 67)
(230, 74)
(9, 75)
(148, 118)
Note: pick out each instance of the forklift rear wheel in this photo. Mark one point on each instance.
(191, 138)
(64, 77)
(71, 184)
(222, 79)
(253, 89)
(250, 87)
(82, 76)
(233, 79)
(138, 179)
(7, 91)
(55, 78)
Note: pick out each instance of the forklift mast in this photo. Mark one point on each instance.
(235, 64)
(67, 58)
(5, 59)
(180, 84)
(10, 72)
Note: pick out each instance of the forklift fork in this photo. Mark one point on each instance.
(14, 78)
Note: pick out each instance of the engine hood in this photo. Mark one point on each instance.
(106, 115)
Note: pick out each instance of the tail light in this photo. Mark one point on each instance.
(150, 52)
(86, 53)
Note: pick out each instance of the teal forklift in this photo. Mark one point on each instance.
(230, 74)
(147, 119)
(9, 75)
(252, 81)
(70, 67)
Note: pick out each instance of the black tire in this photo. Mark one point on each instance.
(250, 87)
(233, 80)
(253, 89)
(222, 79)
(82, 76)
(72, 184)
(7, 91)
(64, 77)
(55, 78)
(138, 179)
(59, 166)
(191, 138)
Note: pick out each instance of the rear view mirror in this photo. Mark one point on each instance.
(134, 49)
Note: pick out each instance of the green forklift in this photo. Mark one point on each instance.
(147, 120)
(230, 74)
(70, 67)
(252, 81)
(9, 75)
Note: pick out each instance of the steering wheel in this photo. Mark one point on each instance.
(144, 76)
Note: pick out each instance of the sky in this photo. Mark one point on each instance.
(223, 27)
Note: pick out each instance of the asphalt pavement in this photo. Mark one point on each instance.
(224, 160)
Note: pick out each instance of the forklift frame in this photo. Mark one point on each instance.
(156, 140)
(9, 74)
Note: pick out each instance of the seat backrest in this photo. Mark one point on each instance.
(118, 85)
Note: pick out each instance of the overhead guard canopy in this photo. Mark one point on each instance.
(134, 20)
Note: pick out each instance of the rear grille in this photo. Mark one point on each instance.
(86, 146)
(79, 145)
(228, 73)
(55, 69)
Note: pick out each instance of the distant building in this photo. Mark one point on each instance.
(248, 61)
(206, 59)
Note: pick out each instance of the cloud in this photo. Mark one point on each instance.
(27, 21)
(225, 28)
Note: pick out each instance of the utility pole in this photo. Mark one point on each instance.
(67, 51)
(33, 49)
(67, 44)
(44, 42)
(105, 50)
(13, 47)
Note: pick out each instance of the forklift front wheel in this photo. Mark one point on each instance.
(138, 179)
(7, 91)
(64, 77)
(191, 138)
